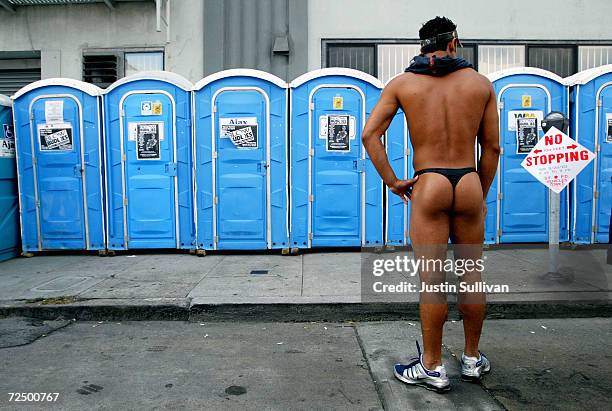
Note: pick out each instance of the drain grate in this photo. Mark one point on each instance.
(259, 272)
(157, 348)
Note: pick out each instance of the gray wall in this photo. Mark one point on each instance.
(476, 19)
(61, 33)
(241, 34)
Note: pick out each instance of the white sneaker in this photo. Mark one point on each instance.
(473, 368)
(415, 373)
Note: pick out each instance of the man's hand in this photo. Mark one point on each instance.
(484, 208)
(403, 188)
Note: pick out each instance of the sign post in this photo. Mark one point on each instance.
(555, 160)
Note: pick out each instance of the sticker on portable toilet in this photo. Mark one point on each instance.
(322, 126)
(609, 128)
(242, 131)
(54, 111)
(147, 140)
(133, 129)
(7, 147)
(157, 108)
(55, 137)
(8, 131)
(338, 103)
(526, 101)
(146, 108)
(526, 135)
(514, 115)
(338, 133)
(556, 160)
(352, 127)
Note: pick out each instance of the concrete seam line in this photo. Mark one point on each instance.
(377, 387)
(481, 384)
(302, 272)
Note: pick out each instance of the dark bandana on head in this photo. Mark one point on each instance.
(436, 66)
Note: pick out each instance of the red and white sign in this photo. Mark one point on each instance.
(557, 159)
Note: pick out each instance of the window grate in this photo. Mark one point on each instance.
(101, 70)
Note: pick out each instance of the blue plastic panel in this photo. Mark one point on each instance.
(9, 204)
(604, 167)
(399, 151)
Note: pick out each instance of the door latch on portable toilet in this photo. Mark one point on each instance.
(359, 165)
(171, 169)
(262, 167)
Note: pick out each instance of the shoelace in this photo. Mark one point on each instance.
(416, 360)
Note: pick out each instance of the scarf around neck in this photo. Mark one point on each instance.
(436, 66)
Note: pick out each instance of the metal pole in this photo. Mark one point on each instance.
(553, 232)
(559, 120)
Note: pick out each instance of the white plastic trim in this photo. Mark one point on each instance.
(5, 101)
(585, 76)
(526, 70)
(165, 76)
(336, 71)
(88, 88)
(240, 72)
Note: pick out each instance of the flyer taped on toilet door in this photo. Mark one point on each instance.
(242, 131)
(55, 137)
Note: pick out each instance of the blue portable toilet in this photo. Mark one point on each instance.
(336, 193)
(147, 119)
(241, 159)
(58, 139)
(518, 203)
(9, 203)
(399, 152)
(591, 124)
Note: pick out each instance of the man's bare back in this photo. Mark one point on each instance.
(443, 115)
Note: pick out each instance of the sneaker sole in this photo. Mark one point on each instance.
(422, 384)
(473, 379)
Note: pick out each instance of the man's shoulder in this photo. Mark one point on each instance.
(477, 77)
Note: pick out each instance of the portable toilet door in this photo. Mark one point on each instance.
(336, 193)
(517, 202)
(58, 142)
(148, 160)
(9, 204)
(241, 171)
(399, 152)
(591, 115)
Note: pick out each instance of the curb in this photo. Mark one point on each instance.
(182, 310)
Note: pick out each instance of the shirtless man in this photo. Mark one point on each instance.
(447, 106)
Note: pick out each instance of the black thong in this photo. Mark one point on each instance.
(453, 175)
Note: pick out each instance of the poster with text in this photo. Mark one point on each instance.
(148, 136)
(338, 133)
(526, 135)
(55, 137)
(242, 131)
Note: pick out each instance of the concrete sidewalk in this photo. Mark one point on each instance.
(270, 287)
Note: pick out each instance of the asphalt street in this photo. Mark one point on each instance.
(553, 364)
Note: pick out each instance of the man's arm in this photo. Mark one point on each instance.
(377, 124)
(488, 137)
